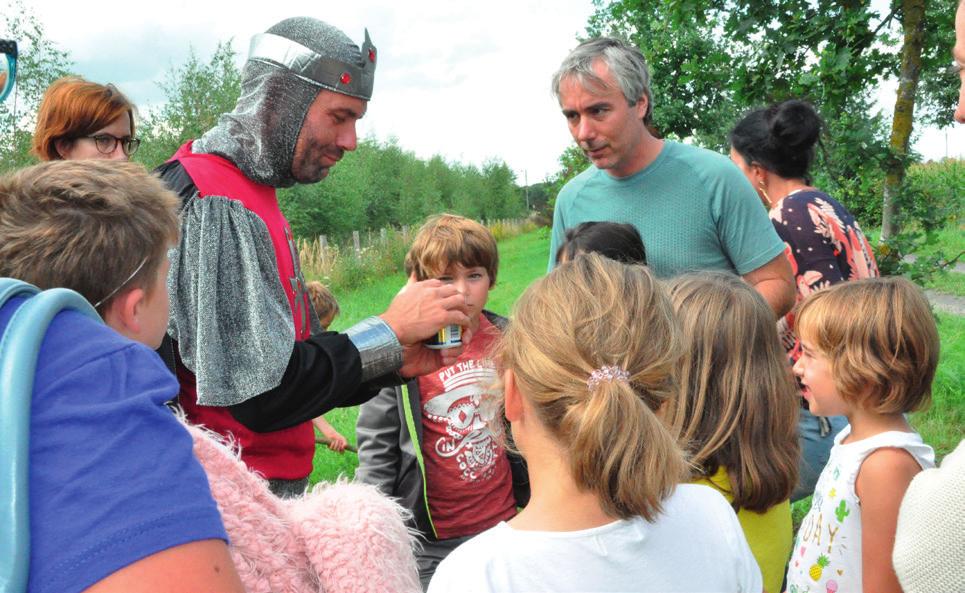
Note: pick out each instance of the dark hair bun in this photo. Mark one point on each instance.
(794, 125)
(780, 138)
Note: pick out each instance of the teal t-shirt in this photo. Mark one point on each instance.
(694, 209)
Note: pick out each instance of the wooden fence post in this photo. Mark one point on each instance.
(323, 247)
(358, 247)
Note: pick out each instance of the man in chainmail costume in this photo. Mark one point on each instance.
(251, 357)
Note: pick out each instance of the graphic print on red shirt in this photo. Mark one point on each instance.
(468, 480)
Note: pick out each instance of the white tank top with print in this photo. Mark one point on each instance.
(827, 549)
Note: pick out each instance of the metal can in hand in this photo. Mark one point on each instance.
(449, 336)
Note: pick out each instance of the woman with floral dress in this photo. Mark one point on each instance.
(774, 147)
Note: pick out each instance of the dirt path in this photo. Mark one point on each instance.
(948, 303)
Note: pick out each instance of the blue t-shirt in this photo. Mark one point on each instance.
(694, 209)
(112, 475)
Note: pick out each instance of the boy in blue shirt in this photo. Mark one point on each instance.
(117, 500)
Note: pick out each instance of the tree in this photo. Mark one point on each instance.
(913, 22)
(196, 94)
(712, 60)
(501, 198)
(39, 64)
(572, 161)
(381, 185)
(537, 196)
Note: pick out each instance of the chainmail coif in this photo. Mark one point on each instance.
(259, 135)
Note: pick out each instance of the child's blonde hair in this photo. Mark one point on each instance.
(86, 225)
(588, 314)
(737, 405)
(323, 301)
(880, 338)
(447, 239)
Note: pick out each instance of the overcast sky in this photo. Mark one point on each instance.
(467, 80)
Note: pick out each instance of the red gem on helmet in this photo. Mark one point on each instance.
(371, 55)
(345, 78)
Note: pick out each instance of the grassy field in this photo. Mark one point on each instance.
(950, 242)
(523, 259)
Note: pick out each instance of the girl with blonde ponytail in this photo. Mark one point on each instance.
(588, 364)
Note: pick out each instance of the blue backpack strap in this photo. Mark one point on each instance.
(19, 347)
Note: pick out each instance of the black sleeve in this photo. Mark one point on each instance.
(176, 179)
(323, 373)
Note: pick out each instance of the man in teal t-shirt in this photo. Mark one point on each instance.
(694, 209)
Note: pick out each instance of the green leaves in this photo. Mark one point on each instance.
(380, 185)
(196, 94)
(39, 64)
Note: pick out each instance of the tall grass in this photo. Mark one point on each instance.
(341, 268)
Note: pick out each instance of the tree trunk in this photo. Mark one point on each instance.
(913, 23)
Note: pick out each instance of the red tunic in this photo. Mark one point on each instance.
(283, 454)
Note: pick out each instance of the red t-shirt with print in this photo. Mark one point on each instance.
(468, 480)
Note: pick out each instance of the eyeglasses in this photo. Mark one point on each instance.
(106, 143)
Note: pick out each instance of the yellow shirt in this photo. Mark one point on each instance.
(767, 533)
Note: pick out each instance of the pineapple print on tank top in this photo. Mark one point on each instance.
(826, 557)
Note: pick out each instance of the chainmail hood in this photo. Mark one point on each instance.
(259, 135)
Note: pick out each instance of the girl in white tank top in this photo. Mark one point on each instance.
(870, 349)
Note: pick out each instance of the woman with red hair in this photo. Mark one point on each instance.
(79, 119)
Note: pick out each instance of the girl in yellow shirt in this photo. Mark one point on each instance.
(736, 410)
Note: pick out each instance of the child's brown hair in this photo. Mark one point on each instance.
(588, 316)
(737, 405)
(880, 338)
(323, 301)
(86, 225)
(447, 239)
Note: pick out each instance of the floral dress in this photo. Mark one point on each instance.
(825, 246)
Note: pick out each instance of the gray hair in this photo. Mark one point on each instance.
(625, 61)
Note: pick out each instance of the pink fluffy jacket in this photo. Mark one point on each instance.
(338, 537)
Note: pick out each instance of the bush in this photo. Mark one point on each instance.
(929, 203)
(940, 187)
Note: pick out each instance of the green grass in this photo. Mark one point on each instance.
(942, 424)
(951, 241)
(949, 283)
(523, 259)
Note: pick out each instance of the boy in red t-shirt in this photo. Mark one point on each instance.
(428, 443)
